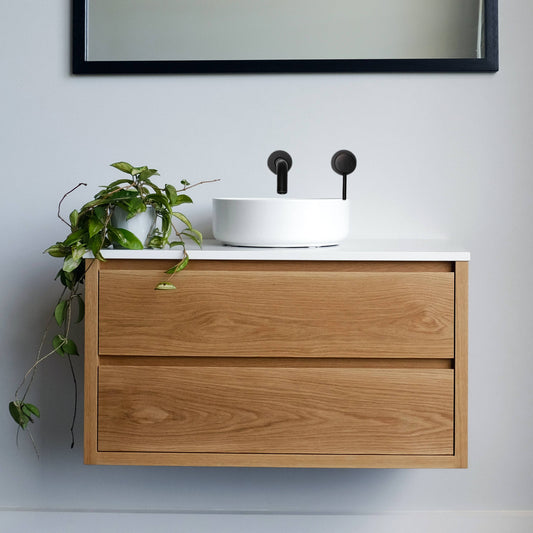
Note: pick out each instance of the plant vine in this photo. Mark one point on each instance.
(90, 231)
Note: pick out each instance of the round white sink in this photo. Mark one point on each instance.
(281, 222)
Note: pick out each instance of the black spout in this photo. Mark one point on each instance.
(280, 162)
(282, 171)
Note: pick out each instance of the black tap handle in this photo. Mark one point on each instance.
(343, 162)
(278, 154)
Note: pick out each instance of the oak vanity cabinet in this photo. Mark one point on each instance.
(277, 363)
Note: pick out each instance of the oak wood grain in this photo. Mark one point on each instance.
(271, 460)
(442, 427)
(90, 432)
(276, 410)
(278, 314)
(461, 363)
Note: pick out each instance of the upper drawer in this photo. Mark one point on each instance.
(298, 313)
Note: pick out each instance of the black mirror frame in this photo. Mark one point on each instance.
(81, 66)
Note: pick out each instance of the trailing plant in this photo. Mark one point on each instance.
(90, 231)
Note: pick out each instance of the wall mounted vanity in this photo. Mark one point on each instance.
(347, 356)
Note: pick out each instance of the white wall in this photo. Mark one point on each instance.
(440, 155)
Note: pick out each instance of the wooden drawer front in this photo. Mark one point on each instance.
(275, 410)
(296, 314)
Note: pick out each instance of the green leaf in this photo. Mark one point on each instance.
(30, 409)
(95, 245)
(138, 170)
(116, 183)
(185, 183)
(78, 251)
(57, 250)
(71, 263)
(164, 286)
(172, 194)
(125, 238)
(166, 225)
(194, 235)
(183, 218)
(146, 174)
(15, 410)
(182, 199)
(74, 216)
(74, 237)
(180, 266)
(60, 312)
(95, 226)
(176, 243)
(159, 200)
(58, 342)
(113, 197)
(133, 207)
(94, 203)
(100, 213)
(81, 309)
(120, 195)
(156, 242)
(153, 185)
(122, 165)
(70, 347)
(67, 278)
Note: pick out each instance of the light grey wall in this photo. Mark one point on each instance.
(440, 155)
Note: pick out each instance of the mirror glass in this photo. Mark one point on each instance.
(211, 32)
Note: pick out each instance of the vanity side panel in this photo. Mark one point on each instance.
(278, 314)
(90, 430)
(461, 363)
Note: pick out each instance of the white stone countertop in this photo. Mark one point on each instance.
(351, 250)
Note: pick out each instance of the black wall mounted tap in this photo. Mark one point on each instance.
(280, 163)
(343, 162)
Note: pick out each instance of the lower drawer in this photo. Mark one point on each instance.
(311, 410)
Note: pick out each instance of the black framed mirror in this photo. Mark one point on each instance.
(283, 36)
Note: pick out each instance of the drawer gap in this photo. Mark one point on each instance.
(159, 265)
(275, 362)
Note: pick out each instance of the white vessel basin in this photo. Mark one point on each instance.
(280, 222)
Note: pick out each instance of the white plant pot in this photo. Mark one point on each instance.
(141, 225)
